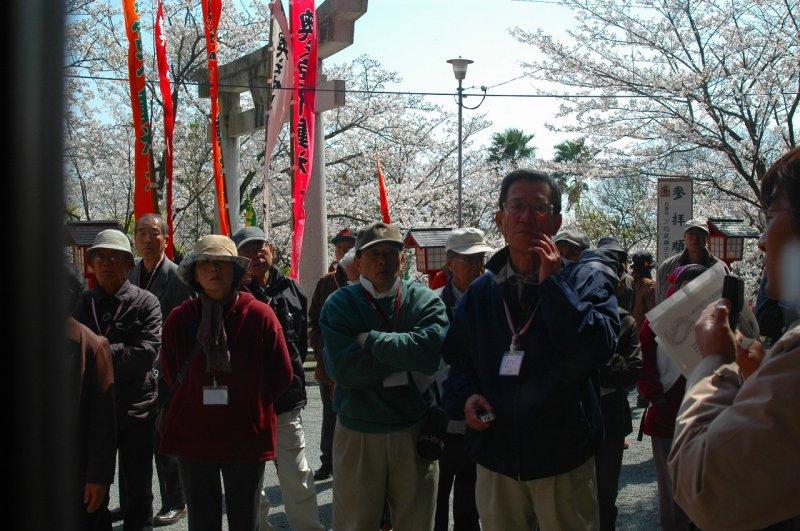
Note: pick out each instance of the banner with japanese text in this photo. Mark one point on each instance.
(384, 198)
(281, 80)
(165, 85)
(144, 187)
(212, 10)
(303, 25)
(674, 210)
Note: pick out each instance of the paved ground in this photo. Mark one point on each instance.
(637, 500)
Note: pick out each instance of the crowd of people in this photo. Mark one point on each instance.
(507, 386)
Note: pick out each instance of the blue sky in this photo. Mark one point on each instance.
(416, 37)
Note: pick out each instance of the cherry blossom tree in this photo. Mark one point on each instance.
(701, 88)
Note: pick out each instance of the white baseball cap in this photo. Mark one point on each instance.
(467, 241)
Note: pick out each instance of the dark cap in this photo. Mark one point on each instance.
(344, 235)
(573, 237)
(612, 244)
(246, 235)
(378, 232)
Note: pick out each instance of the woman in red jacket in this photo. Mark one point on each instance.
(663, 385)
(225, 361)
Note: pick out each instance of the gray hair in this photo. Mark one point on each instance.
(162, 225)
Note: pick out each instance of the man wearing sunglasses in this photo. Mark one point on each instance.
(524, 345)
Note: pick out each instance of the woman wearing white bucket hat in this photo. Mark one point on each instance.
(225, 361)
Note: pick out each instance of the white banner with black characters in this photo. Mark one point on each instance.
(674, 210)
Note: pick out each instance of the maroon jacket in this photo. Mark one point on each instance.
(659, 419)
(244, 430)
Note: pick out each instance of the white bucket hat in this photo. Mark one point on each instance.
(467, 241)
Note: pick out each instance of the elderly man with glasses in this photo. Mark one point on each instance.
(524, 345)
(130, 318)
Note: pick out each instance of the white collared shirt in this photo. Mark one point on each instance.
(379, 294)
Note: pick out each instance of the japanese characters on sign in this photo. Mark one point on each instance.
(304, 47)
(674, 210)
(144, 194)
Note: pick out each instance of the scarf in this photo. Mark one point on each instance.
(211, 334)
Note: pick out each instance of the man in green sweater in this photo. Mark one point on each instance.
(382, 346)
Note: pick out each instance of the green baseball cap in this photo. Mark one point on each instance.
(378, 232)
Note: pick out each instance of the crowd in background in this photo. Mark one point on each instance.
(507, 386)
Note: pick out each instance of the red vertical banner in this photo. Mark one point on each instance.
(212, 9)
(169, 118)
(303, 22)
(384, 197)
(144, 186)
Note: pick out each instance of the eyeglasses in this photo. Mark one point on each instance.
(766, 215)
(471, 260)
(518, 206)
(111, 258)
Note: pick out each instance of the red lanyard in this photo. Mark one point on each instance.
(517, 333)
(387, 325)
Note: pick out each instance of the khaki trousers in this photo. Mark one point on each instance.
(567, 501)
(370, 468)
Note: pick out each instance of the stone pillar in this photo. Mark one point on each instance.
(314, 259)
(229, 107)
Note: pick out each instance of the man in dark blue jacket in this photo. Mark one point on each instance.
(524, 347)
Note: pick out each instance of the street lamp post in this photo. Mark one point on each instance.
(460, 71)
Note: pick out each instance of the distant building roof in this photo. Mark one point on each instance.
(427, 237)
(736, 228)
(82, 233)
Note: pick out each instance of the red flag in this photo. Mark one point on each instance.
(169, 117)
(384, 198)
(212, 9)
(303, 20)
(144, 187)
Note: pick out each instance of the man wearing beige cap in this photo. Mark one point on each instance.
(130, 318)
(695, 251)
(382, 342)
(466, 258)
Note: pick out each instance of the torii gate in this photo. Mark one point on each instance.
(336, 28)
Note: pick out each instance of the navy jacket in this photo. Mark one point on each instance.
(289, 305)
(548, 418)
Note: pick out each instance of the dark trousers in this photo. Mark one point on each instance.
(204, 493)
(608, 463)
(328, 425)
(135, 446)
(456, 471)
(169, 478)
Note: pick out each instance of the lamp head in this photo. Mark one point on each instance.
(460, 67)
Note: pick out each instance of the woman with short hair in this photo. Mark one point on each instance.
(225, 361)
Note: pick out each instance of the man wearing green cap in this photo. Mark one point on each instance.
(382, 345)
(130, 318)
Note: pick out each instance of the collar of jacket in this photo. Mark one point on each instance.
(277, 283)
(124, 294)
(500, 259)
(340, 275)
(158, 273)
(450, 295)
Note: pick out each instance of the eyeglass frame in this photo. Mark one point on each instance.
(762, 215)
(536, 207)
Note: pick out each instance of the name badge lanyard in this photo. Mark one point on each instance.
(152, 275)
(517, 333)
(387, 325)
(97, 321)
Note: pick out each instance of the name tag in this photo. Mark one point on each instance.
(511, 363)
(215, 396)
(396, 379)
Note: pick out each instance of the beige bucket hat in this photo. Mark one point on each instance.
(212, 247)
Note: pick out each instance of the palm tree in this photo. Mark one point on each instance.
(511, 147)
(572, 152)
